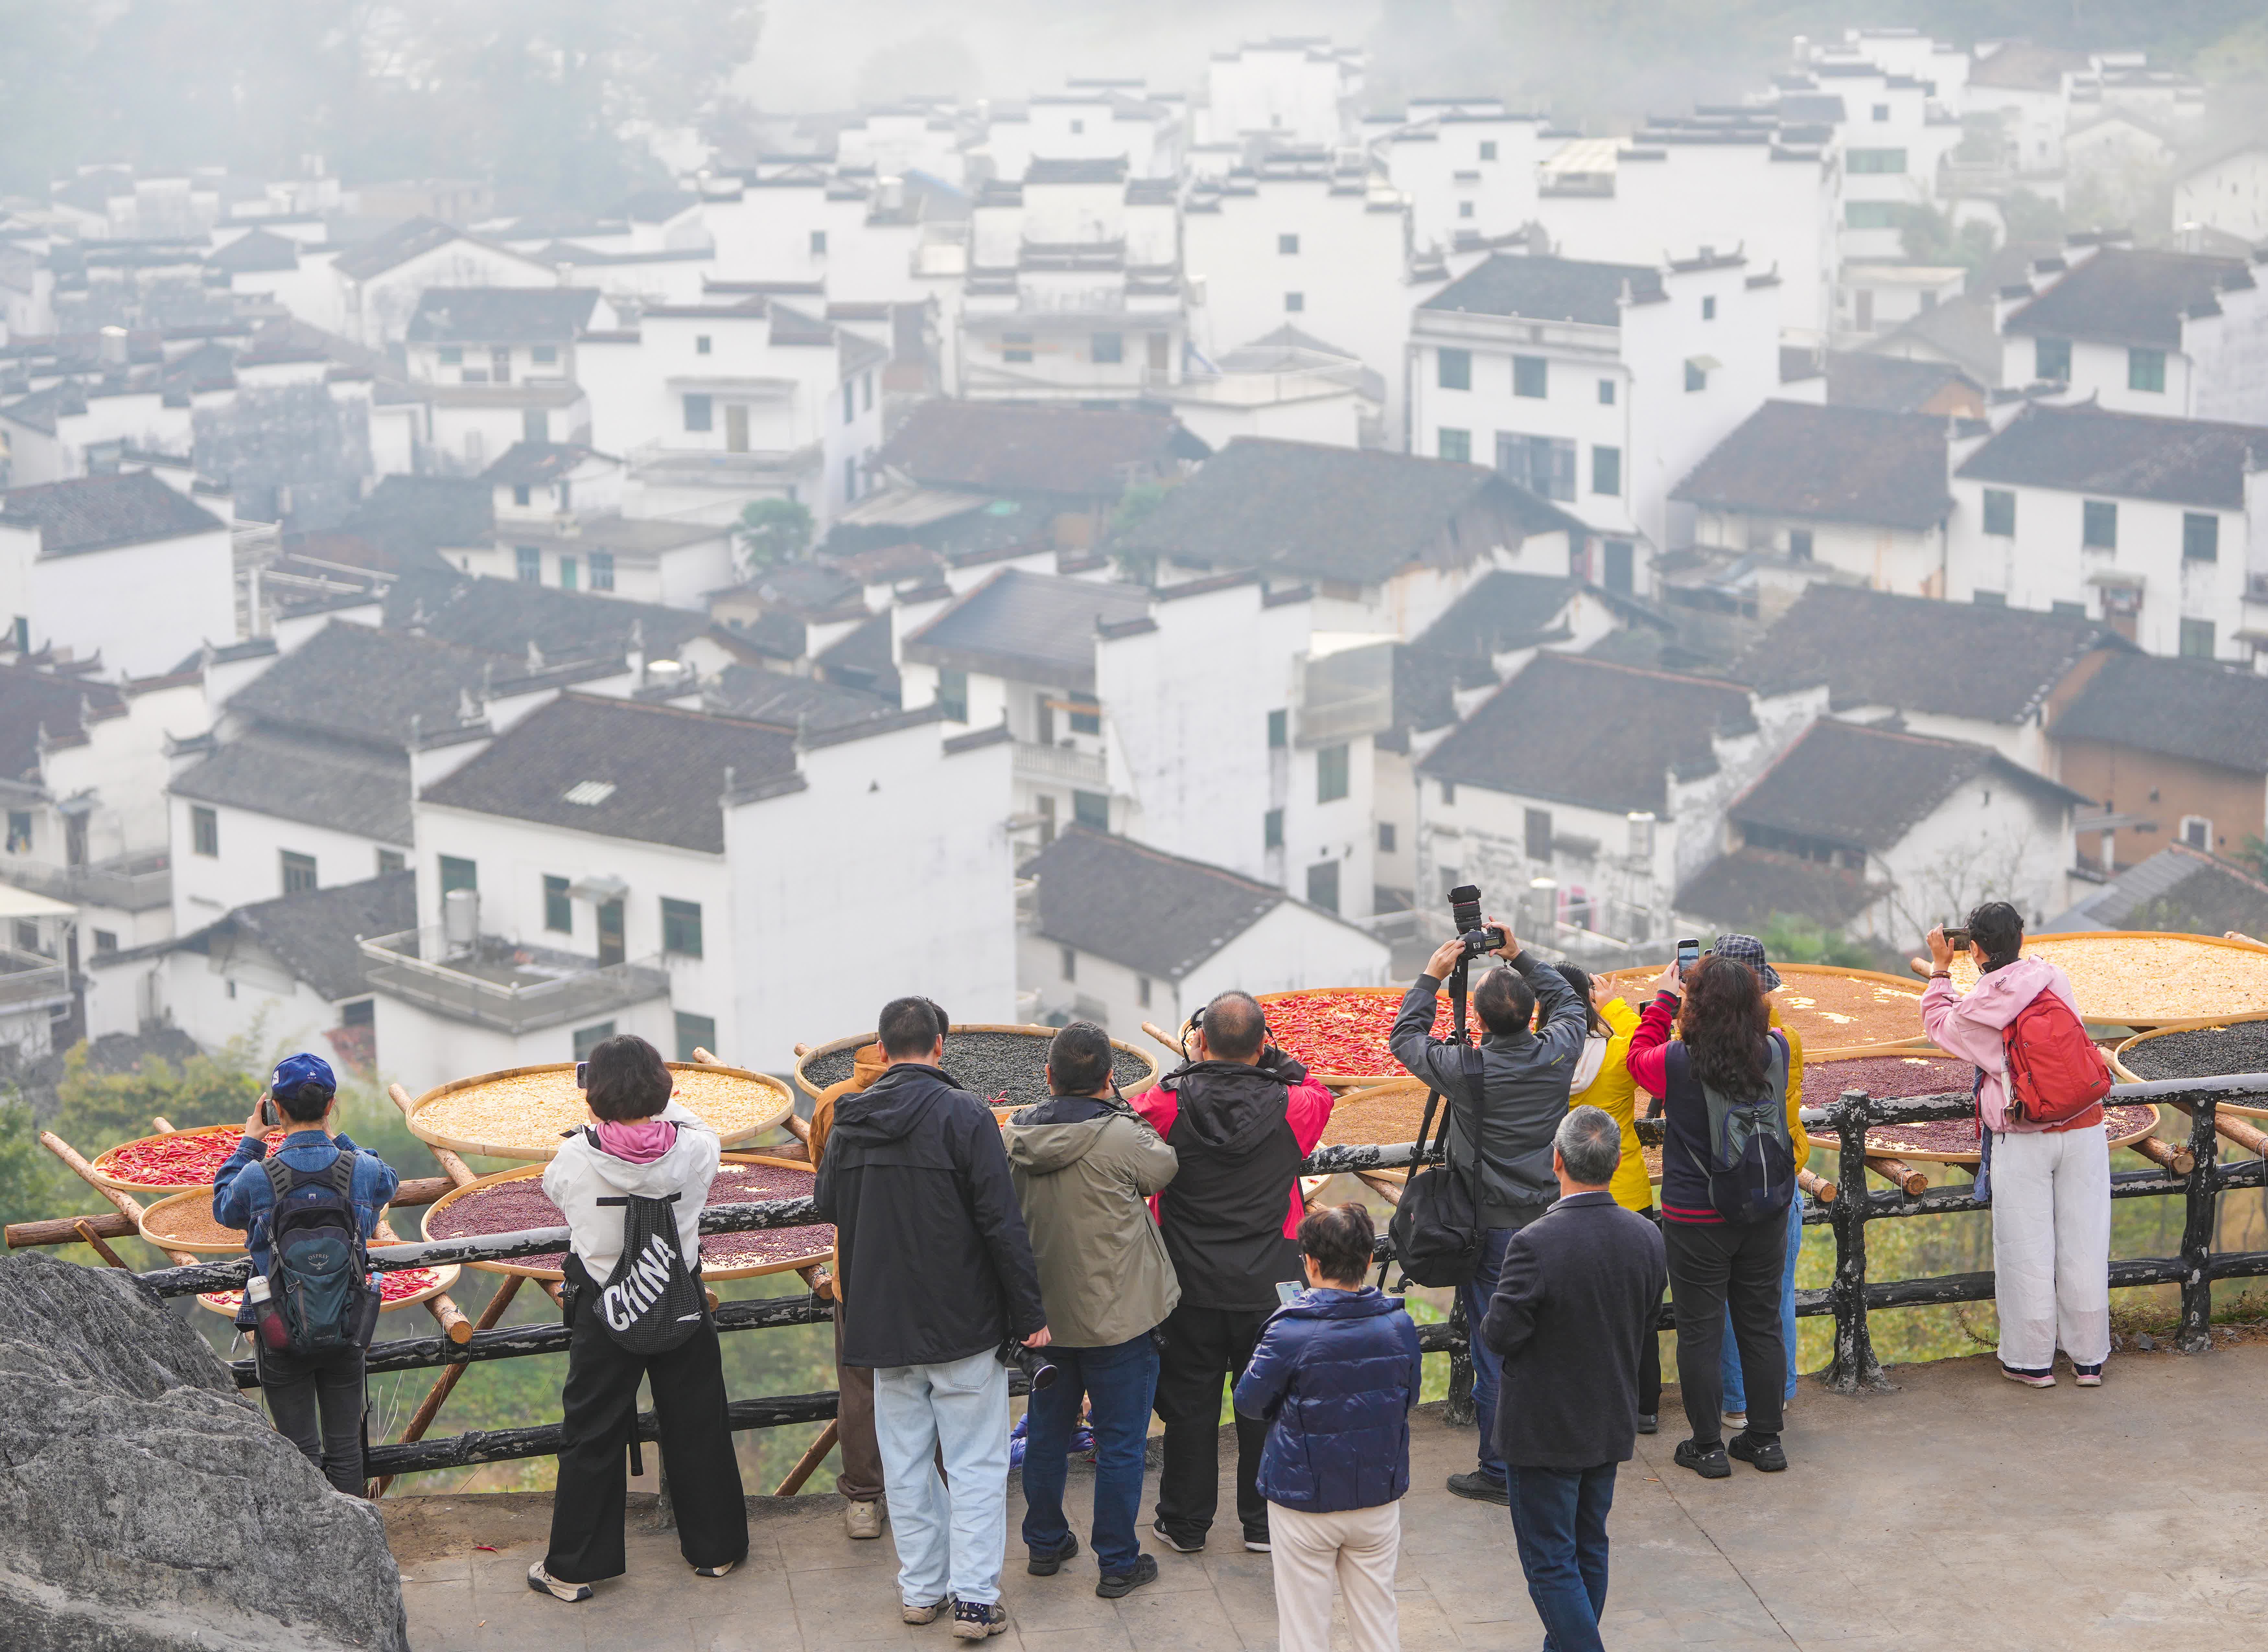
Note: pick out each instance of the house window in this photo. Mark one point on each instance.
(1142, 991)
(2197, 831)
(1870, 215)
(1068, 961)
(298, 873)
(500, 364)
(2197, 639)
(1386, 836)
(1543, 465)
(20, 829)
(528, 565)
(1046, 821)
(106, 941)
(544, 355)
(1709, 309)
(1607, 470)
(1279, 731)
(849, 479)
(1537, 830)
(2200, 537)
(602, 571)
(522, 495)
(1606, 392)
(700, 413)
(1616, 576)
(1464, 209)
(1090, 809)
(1044, 718)
(1294, 302)
(27, 936)
(1882, 112)
(953, 693)
(819, 243)
(1989, 599)
(459, 873)
(1999, 512)
(204, 831)
(1455, 444)
(695, 1032)
(1287, 245)
(1015, 347)
(850, 400)
(1330, 773)
(568, 572)
(453, 355)
(1878, 161)
(589, 1038)
(2068, 610)
(1449, 792)
(1696, 376)
(1453, 369)
(1798, 544)
(2098, 527)
(391, 861)
(2146, 370)
(1531, 376)
(2052, 359)
(681, 927)
(1323, 886)
(1086, 714)
(1161, 350)
(1109, 349)
(1488, 149)
(701, 343)
(558, 907)
(1271, 830)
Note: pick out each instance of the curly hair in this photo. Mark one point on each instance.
(1726, 1024)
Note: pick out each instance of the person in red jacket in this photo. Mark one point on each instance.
(1240, 1116)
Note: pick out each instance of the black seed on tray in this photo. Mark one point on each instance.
(1013, 1065)
(2204, 1053)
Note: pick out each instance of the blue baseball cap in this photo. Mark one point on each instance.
(302, 1074)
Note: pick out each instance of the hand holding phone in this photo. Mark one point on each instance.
(1287, 1291)
(1689, 954)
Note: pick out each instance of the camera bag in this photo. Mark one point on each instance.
(1437, 1227)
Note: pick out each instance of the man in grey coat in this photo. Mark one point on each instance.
(1084, 1164)
(1524, 1080)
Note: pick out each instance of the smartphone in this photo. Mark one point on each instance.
(1287, 1291)
(582, 1073)
(267, 1113)
(1689, 954)
(1957, 939)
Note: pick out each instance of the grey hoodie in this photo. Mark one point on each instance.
(1085, 1170)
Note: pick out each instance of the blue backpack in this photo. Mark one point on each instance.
(1750, 1167)
(318, 1268)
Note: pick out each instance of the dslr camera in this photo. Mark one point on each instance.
(1465, 913)
(1038, 1369)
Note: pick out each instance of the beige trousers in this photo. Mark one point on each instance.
(1357, 1547)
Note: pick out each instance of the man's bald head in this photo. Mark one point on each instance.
(1235, 1028)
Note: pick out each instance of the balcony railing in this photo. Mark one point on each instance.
(497, 983)
(1064, 765)
(27, 979)
(135, 883)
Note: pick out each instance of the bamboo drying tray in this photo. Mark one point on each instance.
(228, 1302)
(1391, 996)
(774, 1106)
(857, 1041)
(2126, 1074)
(184, 1222)
(754, 1271)
(1632, 984)
(2187, 952)
(1881, 1142)
(102, 1161)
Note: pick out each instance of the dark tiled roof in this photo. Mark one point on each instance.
(346, 786)
(775, 696)
(2182, 708)
(1547, 289)
(101, 513)
(1860, 380)
(862, 660)
(1870, 787)
(2177, 888)
(1502, 610)
(411, 517)
(1578, 731)
(806, 589)
(2021, 66)
(1154, 913)
(1003, 446)
(524, 463)
(364, 684)
(404, 241)
(2131, 455)
(505, 616)
(653, 206)
(40, 409)
(501, 315)
(1960, 330)
(655, 773)
(1949, 659)
(2125, 297)
(1344, 513)
(31, 700)
(1745, 890)
(1030, 626)
(890, 563)
(257, 252)
(1834, 464)
(1112, 170)
(314, 934)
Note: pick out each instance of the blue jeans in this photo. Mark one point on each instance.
(1560, 1522)
(1121, 1380)
(1488, 1369)
(1736, 1389)
(950, 1542)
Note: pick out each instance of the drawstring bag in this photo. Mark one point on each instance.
(652, 1302)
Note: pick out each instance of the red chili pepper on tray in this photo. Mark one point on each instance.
(188, 1159)
(1342, 1030)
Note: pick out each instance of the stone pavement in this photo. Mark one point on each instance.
(1961, 1512)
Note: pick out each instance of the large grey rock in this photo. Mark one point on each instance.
(146, 1507)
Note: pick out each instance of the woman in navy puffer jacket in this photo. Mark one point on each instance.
(1335, 1374)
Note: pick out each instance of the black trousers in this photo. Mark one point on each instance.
(1199, 1346)
(599, 1406)
(1649, 1354)
(1712, 1268)
(300, 1386)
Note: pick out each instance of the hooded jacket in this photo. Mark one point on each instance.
(933, 1263)
(1973, 1025)
(1609, 1088)
(1084, 1170)
(1231, 1214)
(582, 1174)
(1335, 1373)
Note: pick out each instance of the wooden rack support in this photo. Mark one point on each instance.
(127, 1205)
(98, 1244)
(459, 1173)
(2238, 1132)
(808, 1462)
(446, 1382)
(1898, 1174)
(2172, 1157)
(1817, 1189)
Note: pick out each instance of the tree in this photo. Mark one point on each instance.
(772, 532)
(1794, 938)
(1136, 506)
(100, 1110)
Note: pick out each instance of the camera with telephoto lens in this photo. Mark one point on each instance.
(1465, 913)
(1038, 1369)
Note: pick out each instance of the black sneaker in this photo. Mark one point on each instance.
(1481, 1488)
(1049, 1564)
(1761, 1451)
(1256, 1540)
(1706, 1461)
(1647, 1423)
(1146, 1571)
(974, 1620)
(1195, 1545)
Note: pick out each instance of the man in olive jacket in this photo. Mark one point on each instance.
(1084, 1164)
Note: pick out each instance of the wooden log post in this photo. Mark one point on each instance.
(63, 1230)
(807, 1464)
(1898, 1174)
(446, 1382)
(95, 1243)
(2172, 1157)
(446, 1313)
(1386, 1189)
(127, 1205)
(1817, 1189)
(1855, 1367)
(2202, 1202)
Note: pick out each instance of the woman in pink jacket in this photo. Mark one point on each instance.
(2049, 1185)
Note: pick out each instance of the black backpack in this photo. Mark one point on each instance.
(1750, 1166)
(318, 1267)
(652, 1302)
(1437, 1226)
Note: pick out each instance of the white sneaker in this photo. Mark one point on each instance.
(544, 1583)
(862, 1519)
(1736, 1420)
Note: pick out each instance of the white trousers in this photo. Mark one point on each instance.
(1357, 1548)
(2051, 1246)
(949, 1542)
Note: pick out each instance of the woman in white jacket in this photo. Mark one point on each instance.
(641, 1143)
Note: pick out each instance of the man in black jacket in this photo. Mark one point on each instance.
(936, 1272)
(1525, 1078)
(1239, 1115)
(1579, 1293)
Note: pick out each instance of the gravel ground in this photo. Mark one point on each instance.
(2207, 1052)
(1013, 1065)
